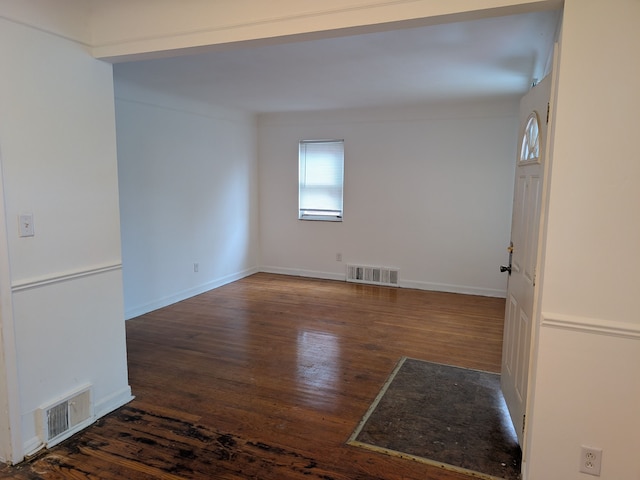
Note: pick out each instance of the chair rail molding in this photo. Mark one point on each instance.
(596, 326)
(38, 282)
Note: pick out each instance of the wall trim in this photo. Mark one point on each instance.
(448, 288)
(184, 294)
(435, 287)
(297, 272)
(112, 402)
(32, 446)
(32, 283)
(595, 326)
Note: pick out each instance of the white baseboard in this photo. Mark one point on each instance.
(436, 287)
(296, 272)
(445, 287)
(112, 402)
(183, 295)
(32, 446)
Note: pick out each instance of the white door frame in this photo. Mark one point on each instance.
(11, 447)
(536, 316)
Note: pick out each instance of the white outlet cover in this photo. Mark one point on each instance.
(591, 460)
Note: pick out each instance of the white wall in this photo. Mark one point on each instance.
(57, 137)
(427, 190)
(589, 318)
(587, 382)
(188, 194)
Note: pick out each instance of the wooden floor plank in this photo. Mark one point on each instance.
(267, 378)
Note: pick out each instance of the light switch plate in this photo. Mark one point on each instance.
(25, 225)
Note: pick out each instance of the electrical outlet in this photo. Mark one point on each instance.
(338, 257)
(195, 267)
(591, 460)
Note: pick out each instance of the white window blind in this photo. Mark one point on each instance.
(321, 178)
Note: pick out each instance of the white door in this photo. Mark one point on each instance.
(525, 228)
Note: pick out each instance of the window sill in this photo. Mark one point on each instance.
(320, 218)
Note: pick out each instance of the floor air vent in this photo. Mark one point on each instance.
(67, 416)
(57, 420)
(372, 275)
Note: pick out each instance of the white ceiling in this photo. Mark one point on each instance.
(481, 58)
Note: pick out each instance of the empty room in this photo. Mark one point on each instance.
(231, 232)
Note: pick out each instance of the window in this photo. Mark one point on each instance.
(530, 149)
(321, 177)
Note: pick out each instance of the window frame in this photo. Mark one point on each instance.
(323, 215)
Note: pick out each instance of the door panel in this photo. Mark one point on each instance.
(525, 228)
(531, 237)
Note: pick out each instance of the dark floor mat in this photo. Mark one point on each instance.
(443, 415)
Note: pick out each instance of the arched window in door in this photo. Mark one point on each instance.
(530, 149)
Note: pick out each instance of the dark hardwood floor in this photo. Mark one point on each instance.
(267, 377)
